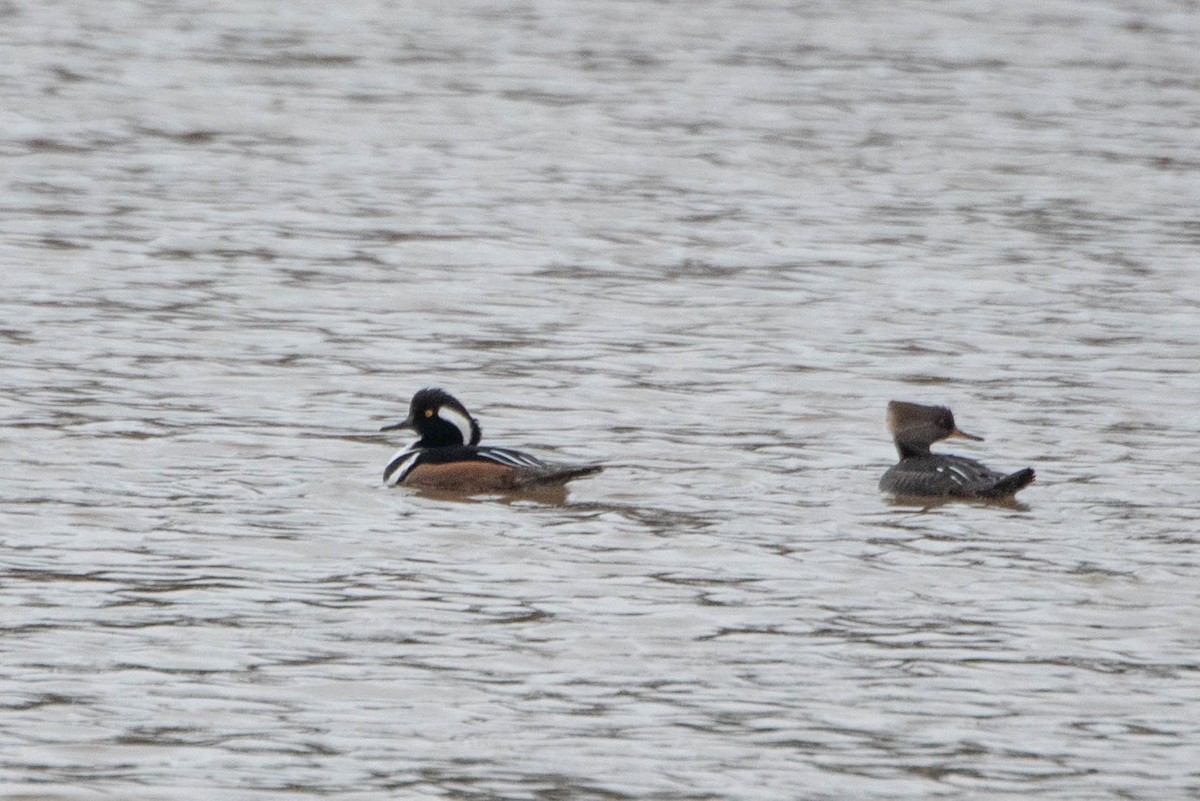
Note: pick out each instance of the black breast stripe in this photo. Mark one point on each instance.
(400, 466)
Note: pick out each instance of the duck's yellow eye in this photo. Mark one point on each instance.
(429, 412)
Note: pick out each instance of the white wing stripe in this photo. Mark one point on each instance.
(961, 477)
(511, 458)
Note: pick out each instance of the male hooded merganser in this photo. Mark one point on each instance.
(921, 473)
(448, 455)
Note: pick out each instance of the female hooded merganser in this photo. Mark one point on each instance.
(921, 473)
(448, 455)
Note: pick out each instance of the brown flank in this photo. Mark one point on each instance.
(462, 477)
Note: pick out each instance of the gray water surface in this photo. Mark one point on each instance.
(702, 243)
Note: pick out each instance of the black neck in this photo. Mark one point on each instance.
(910, 447)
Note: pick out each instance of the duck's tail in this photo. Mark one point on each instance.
(1010, 484)
(554, 474)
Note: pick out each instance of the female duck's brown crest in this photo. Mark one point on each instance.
(920, 422)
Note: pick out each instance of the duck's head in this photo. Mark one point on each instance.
(916, 426)
(439, 420)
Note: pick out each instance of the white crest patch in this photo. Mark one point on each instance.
(458, 420)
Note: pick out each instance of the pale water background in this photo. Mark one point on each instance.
(702, 242)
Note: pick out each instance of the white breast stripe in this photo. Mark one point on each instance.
(399, 467)
(458, 420)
